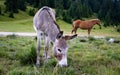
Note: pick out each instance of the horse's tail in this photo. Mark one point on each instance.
(73, 24)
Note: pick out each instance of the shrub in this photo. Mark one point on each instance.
(31, 12)
(118, 28)
(91, 39)
(28, 57)
(11, 15)
(13, 36)
(0, 11)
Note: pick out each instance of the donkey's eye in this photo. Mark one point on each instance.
(59, 50)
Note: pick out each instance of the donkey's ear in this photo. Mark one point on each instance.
(70, 37)
(59, 35)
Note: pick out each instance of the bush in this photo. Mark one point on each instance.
(28, 57)
(13, 36)
(67, 18)
(11, 15)
(91, 39)
(31, 12)
(118, 28)
(0, 11)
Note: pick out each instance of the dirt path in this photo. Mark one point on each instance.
(33, 34)
(17, 33)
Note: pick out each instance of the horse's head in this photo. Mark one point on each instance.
(60, 48)
(98, 23)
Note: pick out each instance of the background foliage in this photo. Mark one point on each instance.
(69, 10)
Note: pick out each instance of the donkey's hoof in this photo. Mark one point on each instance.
(48, 57)
(38, 65)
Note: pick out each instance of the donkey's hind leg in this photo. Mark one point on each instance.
(47, 47)
(38, 49)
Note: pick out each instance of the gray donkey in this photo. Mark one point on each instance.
(45, 22)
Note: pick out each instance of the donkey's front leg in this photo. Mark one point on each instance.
(47, 47)
(38, 49)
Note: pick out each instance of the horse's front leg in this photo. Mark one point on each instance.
(74, 30)
(38, 49)
(89, 32)
(47, 47)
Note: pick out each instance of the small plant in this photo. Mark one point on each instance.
(91, 39)
(83, 40)
(13, 36)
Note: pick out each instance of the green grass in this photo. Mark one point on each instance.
(21, 23)
(26, 25)
(93, 57)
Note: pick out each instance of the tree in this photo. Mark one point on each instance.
(59, 8)
(86, 10)
(67, 17)
(66, 4)
(11, 6)
(0, 11)
(43, 3)
(109, 12)
(75, 10)
(21, 5)
(94, 5)
(14, 5)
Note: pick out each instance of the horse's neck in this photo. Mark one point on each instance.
(93, 22)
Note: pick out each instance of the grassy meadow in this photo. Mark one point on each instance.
(86, 56)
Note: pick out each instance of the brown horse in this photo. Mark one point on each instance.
(85, 25)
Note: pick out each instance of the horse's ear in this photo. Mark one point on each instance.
(67, 37)
(59, 35)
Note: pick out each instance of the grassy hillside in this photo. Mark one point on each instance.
(23, 23)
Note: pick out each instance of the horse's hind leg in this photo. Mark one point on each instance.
(74, 30)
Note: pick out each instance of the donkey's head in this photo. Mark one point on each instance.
(60, 48)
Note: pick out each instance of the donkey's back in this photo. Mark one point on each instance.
(44, 21)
